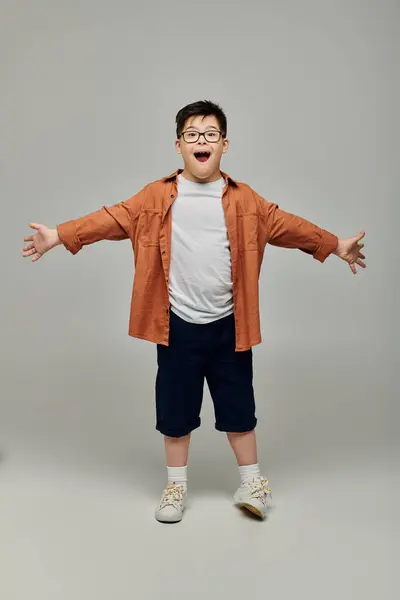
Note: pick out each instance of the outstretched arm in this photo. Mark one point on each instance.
(290, 231)
(117, 222)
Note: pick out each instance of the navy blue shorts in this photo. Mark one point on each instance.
(197, 352)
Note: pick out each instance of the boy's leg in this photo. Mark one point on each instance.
(179, 393)
(230, 380)
(177, 450)
(244, 446)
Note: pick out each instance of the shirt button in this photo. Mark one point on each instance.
(172, 196)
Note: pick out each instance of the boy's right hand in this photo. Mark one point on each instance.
(41, 242)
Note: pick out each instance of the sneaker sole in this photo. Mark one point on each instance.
(171, 519)
(253, 510)
(168, 520)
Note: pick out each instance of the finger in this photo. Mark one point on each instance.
(353, 268)
(36, 257)
(361, 263)
(360, 246)
(360, 235)
(34, 225)
(361, 255)
(29, 252)
(28, 238)
(29, 247)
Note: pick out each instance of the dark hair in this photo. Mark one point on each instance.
(201, 108)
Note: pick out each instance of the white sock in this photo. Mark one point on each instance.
(177, 475)
(249, 472)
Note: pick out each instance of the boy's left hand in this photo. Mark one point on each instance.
(349, 250)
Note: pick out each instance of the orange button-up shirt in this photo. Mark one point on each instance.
(146, 220)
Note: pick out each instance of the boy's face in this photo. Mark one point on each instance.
(201, 158)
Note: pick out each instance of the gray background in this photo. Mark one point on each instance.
(89, 95)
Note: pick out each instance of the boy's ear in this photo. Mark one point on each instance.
(226, 145)
(178, 146)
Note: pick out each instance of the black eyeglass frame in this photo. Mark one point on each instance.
(202, 134)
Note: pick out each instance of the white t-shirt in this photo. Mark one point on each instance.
(200, 278)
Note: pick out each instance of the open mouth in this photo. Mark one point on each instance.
(202, 156)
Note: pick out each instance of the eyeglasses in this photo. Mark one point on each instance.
(191, 137)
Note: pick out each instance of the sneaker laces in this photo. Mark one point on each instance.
(172, 496)
(258, 488)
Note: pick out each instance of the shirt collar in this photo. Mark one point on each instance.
(174, 175)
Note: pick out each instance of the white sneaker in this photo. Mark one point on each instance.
(172, 504)
(253, 495)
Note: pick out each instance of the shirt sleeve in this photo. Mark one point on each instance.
(116, 222)
(290, 231)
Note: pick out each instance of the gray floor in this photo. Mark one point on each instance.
(89, 533)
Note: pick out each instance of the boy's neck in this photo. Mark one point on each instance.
(213, 177)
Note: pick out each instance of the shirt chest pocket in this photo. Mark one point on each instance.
(149, 225)
(247, 231)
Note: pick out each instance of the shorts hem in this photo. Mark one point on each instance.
(235, 428)
(176, 433)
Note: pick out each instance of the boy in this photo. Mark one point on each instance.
(198, 239)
